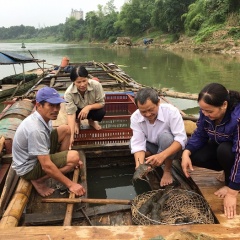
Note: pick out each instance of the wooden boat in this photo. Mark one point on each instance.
(106, 149)
(18, 83)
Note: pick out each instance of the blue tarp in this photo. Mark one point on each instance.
(7, 57)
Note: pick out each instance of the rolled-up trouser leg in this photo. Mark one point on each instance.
(164, 141)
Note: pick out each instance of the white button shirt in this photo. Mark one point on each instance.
(168, 120)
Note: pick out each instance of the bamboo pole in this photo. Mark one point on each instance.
(167, 101)
(69, 210)
(15, 209)
(37, 62)
(168, 93)
(87, 200)
(9, 186)
(2, 140)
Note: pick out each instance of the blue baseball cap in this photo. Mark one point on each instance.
(49, 95)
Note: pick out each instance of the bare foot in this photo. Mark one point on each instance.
(222, 192)
(42, 188)
(166, 179)
(94, 124)
(76, 128)
(221, 177)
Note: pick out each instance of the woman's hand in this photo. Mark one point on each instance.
(186, 163)
(84, 113)
(230, 203)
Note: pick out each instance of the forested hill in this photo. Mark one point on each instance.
(141, 18)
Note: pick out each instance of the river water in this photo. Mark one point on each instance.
(180, 71)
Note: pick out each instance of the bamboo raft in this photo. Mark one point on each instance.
(112, 220)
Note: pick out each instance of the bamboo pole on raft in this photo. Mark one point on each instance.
(15, 209)
(87, 200)
(69, 210)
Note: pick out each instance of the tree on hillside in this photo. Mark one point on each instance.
(167, 15)
(69, 29)
(135, 16)
(208, 13)
(109, 7)
(100, 24)
(92, 22)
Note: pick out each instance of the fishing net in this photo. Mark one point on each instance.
(174, 207)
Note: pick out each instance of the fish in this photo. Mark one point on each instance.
(141, 171)
(151, 204)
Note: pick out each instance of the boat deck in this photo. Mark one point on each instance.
(207, 183)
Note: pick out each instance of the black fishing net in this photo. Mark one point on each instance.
(174, 207)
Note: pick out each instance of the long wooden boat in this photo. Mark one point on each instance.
(19, 83)
(107, 151)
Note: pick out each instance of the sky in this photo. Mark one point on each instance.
(45, 13)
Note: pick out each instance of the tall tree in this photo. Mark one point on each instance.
(167, 15)
(135, 16)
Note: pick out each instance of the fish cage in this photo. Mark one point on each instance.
(115, 124)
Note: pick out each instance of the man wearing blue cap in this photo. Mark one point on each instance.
(35, 146)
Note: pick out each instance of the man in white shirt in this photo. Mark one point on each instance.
(158, 133)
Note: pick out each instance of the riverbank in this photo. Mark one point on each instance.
(217, 42)
(226, 46)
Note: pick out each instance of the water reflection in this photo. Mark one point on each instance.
(114, 183)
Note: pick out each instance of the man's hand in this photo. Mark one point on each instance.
(156, 159)
(80, 164)
(77, 189)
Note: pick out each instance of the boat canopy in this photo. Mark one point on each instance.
(7, 58)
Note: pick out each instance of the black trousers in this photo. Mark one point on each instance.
(216, 157)
(95, 115)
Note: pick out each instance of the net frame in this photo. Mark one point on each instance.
(179, 205)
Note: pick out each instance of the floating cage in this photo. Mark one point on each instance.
(115, 124)
(174, 207)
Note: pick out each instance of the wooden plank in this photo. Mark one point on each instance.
(117, 232)
(6, 159)
(207, 182)
(45, 218)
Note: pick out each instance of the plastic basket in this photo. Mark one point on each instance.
(115, 125)
(103, 136)
(119, 104)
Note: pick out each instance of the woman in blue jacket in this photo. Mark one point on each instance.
(216, 142)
